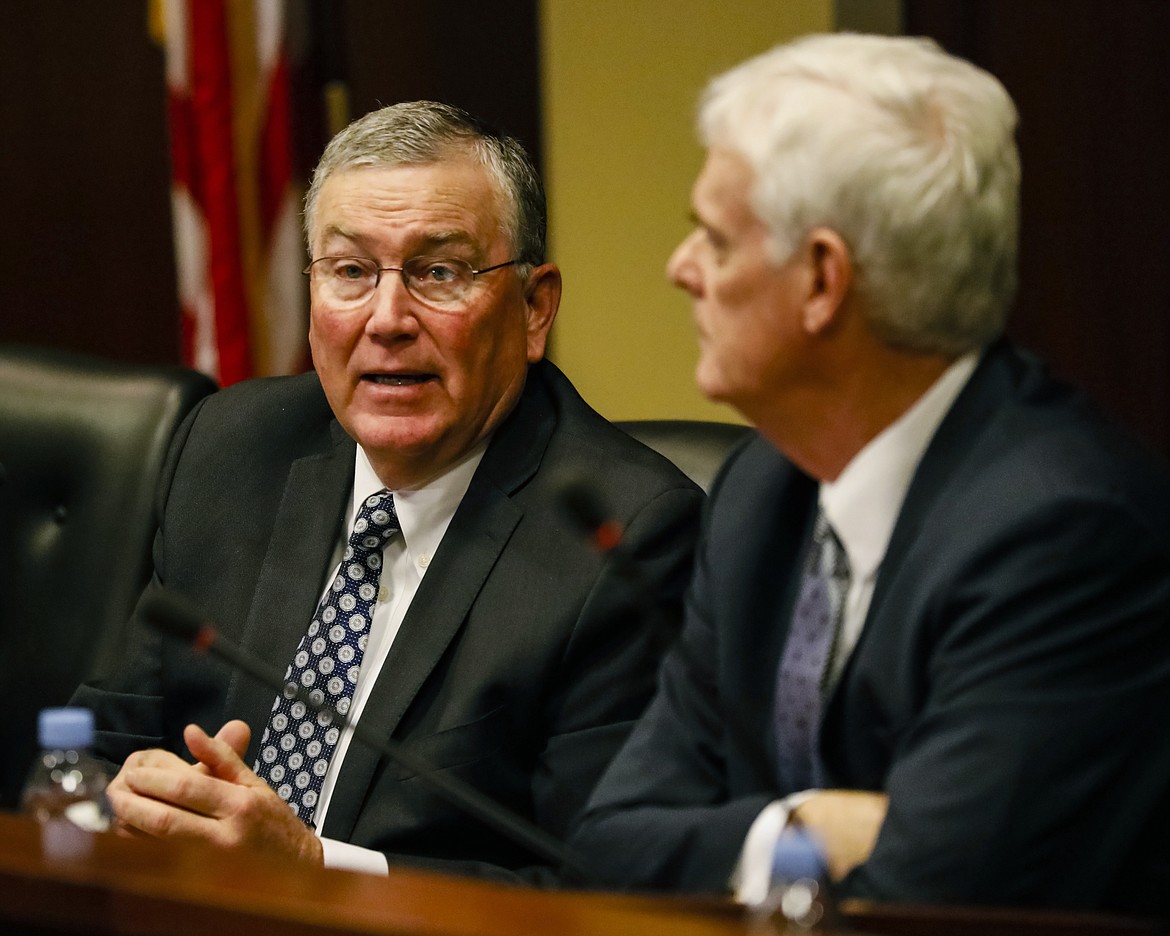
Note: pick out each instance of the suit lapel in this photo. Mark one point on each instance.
(304, 535)
(790, 512)
(948, 457)
(945, 460)
(478, 533)
(952, 455)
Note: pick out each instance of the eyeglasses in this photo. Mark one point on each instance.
(350, 281)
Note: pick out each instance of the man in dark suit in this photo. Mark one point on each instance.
(930, 620)
(489, 641)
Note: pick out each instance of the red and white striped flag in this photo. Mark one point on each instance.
(234, 194)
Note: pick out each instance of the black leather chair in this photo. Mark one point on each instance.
(697, 447)
(82, 441)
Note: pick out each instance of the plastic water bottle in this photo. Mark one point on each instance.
(799, 893)
(66, 783)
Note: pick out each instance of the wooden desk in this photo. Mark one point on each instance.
(904, 920)
(107, 886)
(117, 887)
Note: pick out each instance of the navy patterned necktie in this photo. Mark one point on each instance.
(802, 680)
(299, 741)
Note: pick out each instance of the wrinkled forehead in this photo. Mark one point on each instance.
(448, 203)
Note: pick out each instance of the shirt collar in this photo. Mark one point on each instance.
(423, 512)
(863, 504)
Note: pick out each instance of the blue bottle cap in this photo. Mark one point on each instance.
(65, 728)
(798, 855)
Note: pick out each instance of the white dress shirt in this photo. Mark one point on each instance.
(424, 514)
(862, 506)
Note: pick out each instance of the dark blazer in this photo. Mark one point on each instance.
(524, 658)
(1009, 690)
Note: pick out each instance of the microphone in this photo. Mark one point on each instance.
(173, 615)
(585, 507)
(581, 503)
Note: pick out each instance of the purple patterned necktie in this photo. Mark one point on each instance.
(805, 664)
(299, 741)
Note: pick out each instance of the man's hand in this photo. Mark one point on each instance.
(236, 734)
(218, 800)
(846, 822)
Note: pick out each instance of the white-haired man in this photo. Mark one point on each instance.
(930, 619)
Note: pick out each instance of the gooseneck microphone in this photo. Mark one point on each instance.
(175, 616)
(582, 503)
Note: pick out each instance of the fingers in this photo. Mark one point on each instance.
(166, 804)
(847, 822)
(217, 800)
(221, 755)
(187, 789)
(189, 804)
(154, 757)
(236, 734)
(151, 758)
(160, 795)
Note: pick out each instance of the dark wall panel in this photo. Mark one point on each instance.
(1091, 79)
(481, 55)
(85, 250)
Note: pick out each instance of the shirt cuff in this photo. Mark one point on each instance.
(752, 878)
(348, 857)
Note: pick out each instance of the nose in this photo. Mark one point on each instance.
(682, 269)
(393, 307)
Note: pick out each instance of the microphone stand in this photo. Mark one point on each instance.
(173, 615)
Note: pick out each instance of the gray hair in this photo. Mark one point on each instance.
(426, 132)
(908, 153)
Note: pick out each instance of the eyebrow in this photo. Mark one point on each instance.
(711, 230)
(448, 238)
(438, 239)
(334, 230)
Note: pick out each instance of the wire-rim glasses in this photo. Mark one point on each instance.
(439, 281)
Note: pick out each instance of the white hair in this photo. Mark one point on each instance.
(908, 153)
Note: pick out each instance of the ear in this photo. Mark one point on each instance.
(542, 294)
(831, 277)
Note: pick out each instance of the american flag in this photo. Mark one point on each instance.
(235, 197)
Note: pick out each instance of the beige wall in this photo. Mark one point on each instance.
(620, 82)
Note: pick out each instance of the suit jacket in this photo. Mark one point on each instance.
(524, 658)
(1008, 691)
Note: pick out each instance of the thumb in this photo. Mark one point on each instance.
(237, 734)
(219, 755)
